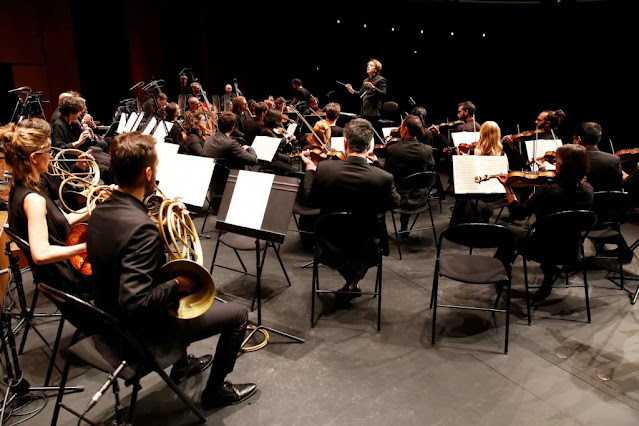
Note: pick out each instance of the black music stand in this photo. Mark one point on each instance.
(273, 229)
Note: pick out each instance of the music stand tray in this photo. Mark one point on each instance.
(268, 217)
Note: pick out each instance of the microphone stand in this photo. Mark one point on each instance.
(156, 86)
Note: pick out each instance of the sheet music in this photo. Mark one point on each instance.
(137, 122)
(467, 167)
(387, 130)
(464, 137)
(160, 131)
(290, 130)
(129, 123)
(337, 143)
(265, 147)
(150, 126)
(250, 198)
(191, 187)
(121, 124)
(538, 148)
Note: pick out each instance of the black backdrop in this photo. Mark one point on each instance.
(512, 60)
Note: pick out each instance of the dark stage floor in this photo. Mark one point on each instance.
(346, 373)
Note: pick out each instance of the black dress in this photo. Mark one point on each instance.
(60, 274)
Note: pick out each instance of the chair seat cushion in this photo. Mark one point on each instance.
(475, 269)
(304, 210)
(85, 350)
(240, 242)
(603, 233)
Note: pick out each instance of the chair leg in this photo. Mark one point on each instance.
(56, 346)
(507, 316)
(217, 246)
(314, 286)
(587, 297)
(134, 398)
(28, 318)
(63, 383)
(258, 272)
(432, 222)
(433, 304)
(181, 395)
(396, 235)
(379, 299)
(527, 292)
(242, 263)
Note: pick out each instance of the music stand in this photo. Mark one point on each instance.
(275, 208)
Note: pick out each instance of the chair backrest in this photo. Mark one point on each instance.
(347, 232)
(218, 180)
(561, 235)
(390, 106)
(611, 207)
(24, 247)
(484, 236)
(420, 180)
(90, 320)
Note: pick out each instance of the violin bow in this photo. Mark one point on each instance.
(326, 147)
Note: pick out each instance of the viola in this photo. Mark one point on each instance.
(519, 179)
(628, 154)
(463, 147)
(549, 156)
(446, 124)
(318, 154)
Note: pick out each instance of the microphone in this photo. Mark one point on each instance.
(141, 83)
(113, 376)
(20, 89)
(126, 101)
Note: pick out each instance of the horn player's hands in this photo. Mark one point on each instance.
(185, 284)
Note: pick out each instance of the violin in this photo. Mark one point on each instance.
(549, 156)
(519, 179)
(515, 138)
(446, 124)
(318, 154)
(463, 147)
(628, 154)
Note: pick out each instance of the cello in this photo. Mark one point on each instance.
(210, 112)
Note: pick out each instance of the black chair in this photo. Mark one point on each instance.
(612, 209)
(29, 315)
(337, 237)
(299, 209)
(216, 191)
(558, 239)
(389, 110)
(419, 186)
(476, 268)
(95, 323)
(239, 243)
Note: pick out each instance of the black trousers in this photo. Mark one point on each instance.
(229, 320)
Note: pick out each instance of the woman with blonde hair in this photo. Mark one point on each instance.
(489, 140)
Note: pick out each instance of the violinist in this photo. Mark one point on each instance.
(568, 191)
(300, 94)
(254, 125)
(227, 150)
(352, 185)
(605, 169)
(372, 92)
(195, 125)
(323, 131)
(426, 136)
(273, 128)
(333, 111)
(177, 134)
(466, 113)
(313, 106)
(280, 104)
(149, 109)
(406, 157)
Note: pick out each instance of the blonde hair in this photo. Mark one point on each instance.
(18, 144)
(490, 139)
(323, 130)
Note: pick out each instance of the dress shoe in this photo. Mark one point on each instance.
(193, 366)
(227, 394)
(541, 294)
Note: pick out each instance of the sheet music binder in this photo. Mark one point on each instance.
(278, 210)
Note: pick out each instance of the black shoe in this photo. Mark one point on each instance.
(194, 366)
(227, 394)
(541, 294)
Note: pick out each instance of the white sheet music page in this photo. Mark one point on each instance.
(150, 126)
(265, 147)
(250, 198)
(121, 124)
(386, 131)
(464, 137)
(467, 167)
(290, 130)
(537, 148)
(337, 143)
(130, 122)
(166, 153)
(160, 131)
(137, 123)
(191, 187)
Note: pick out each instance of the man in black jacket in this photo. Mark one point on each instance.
(227, 150)
(351, 185)
(126, 252)
(605, 172)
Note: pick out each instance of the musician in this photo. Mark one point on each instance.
(313, 106)
(254, 125)
(465, 112)
(281, 163)
(34, 215)
(333, 111)
(227, 97)
(183, 91)
(605, 169)
(427, 135)
(66, 130)
(351, 185)
(177, 133)
(126, 252)
(56, 112)
(568, 191)
(195, 125)
(196, 91)
(300, 94)
(280, 104)
(226, 150)
(407, 157)
(194, 104)
(372, 92)
(149, 109)
(239, 109)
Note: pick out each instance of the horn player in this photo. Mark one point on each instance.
(126, 251)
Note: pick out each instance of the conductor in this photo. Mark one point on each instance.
(372, 92)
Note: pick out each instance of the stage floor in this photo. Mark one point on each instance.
(347, 373)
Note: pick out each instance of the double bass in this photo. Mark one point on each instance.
(210, 111)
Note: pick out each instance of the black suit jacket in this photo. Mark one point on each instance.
(126, 253)
(605, 170)
(372, 100)
(228, 151)
(405, 158)
(252, 127)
